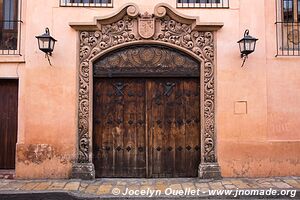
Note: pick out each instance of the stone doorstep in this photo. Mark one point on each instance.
(7, 174)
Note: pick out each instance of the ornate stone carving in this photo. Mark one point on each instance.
(168, 30)
(146, 60)
(92, 43)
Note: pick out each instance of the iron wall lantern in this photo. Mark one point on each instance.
(46, 43)
(247, 45)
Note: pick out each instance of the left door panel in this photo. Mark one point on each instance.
(119, 142)
(8, 122)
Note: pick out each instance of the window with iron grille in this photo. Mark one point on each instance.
(287, 27)
(10, 26)
(87, 3)
(202, 3)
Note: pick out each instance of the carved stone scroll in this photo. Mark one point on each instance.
(170, 29)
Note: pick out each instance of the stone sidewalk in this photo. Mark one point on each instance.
(170, 188)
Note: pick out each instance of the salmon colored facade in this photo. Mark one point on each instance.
(256, 106)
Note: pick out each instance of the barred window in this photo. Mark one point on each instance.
(287, 27)
(9, 26)
(87, 3)
(202, 3)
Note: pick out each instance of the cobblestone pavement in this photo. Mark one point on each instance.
(113, 188)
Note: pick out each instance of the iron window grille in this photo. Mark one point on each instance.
(202, 3)
(10, 27)
(87, 3)
(288, 27)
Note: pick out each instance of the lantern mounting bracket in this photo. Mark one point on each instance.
(244, 59)
(48, 58)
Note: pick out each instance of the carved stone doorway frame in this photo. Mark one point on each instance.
(129, 27)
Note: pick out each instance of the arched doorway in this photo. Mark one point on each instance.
(128, 27)
(146, 113)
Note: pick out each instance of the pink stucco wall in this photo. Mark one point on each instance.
(263, 142)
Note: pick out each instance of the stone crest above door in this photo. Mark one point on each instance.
(146, 26)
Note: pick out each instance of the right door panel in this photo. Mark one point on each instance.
(173, 122)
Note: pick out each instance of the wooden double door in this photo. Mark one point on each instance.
(8, 122)
(145, 127)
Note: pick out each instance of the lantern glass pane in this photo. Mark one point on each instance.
(52, 42)
(250, 45)
(44, 43)
(245, 45)
(242, 47)
(253, 42)
(39, 43)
